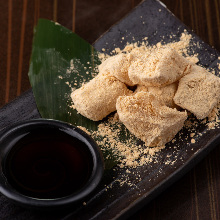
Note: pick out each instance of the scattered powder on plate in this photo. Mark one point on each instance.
(85, 130)
(108, 135)
(108, 138)
(143, 48)
(193, 141)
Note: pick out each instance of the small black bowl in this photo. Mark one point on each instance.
(48, 164)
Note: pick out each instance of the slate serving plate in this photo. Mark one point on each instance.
(110, 200)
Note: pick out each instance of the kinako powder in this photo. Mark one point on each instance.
(108, 132)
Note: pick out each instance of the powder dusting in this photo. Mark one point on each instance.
(109, 134)
(108, 137)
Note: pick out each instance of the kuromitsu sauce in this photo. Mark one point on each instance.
(48, 164)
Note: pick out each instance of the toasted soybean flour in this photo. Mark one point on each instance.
(152, 91)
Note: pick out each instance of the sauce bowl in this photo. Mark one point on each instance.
(47, 164)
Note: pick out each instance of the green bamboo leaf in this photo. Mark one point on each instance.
(61, 60)
(59, 56)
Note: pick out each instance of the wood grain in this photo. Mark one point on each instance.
(8, 71)
(21, 48)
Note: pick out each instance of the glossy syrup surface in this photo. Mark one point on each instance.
(48, 165)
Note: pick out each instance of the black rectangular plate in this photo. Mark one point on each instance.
(111, 201)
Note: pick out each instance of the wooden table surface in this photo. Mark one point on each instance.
(197, 194)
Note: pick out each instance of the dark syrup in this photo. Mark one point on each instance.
(48, 165)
